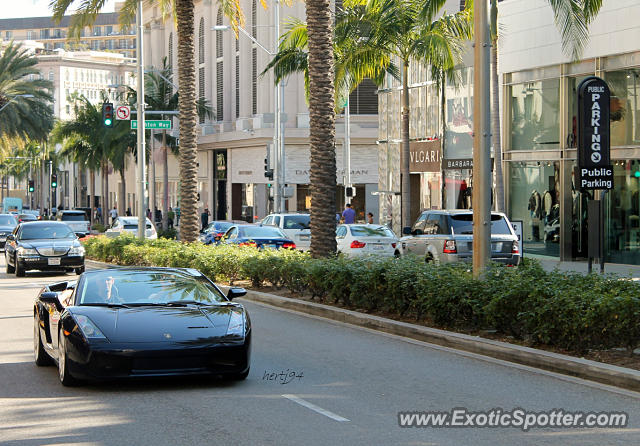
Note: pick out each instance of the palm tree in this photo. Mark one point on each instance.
(409, 30)
(572, 19)
(183, 13)
(25, 98)
(88, 142)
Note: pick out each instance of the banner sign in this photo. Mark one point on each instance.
(594, 169)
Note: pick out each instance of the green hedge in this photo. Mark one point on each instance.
(567, 310)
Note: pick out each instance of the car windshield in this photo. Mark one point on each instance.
(128, 226)
(26, 217)
(152, 287)
(261, 231)
(33, 231)
(372, 231)
(7, 220)
(462, 224)
(80, 216)
(297, 222)
(219, 226)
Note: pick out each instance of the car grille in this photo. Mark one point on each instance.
(53, 251)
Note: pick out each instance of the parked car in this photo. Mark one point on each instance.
(216, 229)
(26, 217)
(294, 226)
(45, 246)
(257, 236)
(141, 323)
(8, 223)
(358, 239)
(77, 221)
(130, 225)
(447, 236)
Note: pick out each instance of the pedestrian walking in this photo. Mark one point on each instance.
(349, 215)
(99, 214)
(171, 216)
(149, 214)
(204, 217)
(177, 216)
(128, 211)
(113, 213)
(370, 218)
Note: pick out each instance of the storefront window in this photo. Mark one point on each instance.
(458, 142)
(430, 190)
(457, 189)
(535, 115)
(534, 198)
(622, 214)
(625, 106)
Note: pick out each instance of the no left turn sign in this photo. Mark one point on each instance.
(123, 113)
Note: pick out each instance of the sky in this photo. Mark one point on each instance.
(35, 8)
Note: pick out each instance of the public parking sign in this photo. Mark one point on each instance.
(594, 169)
(123, 113)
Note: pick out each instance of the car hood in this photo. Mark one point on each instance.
(160, 324)
(49, 246)
(7, 228)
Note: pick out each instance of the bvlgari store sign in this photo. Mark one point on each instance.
(594, 169)
(424, 156)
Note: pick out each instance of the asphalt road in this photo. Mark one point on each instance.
(352, 384)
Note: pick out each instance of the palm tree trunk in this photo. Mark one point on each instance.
(404, 166)
(122, 193)
(189, 227)
(322, 129)
(103, 190)
(152, 174)
(495, 129)
(165, 182)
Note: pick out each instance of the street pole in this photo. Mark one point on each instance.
(142, 224)
(283, 179)
(347, 143)
(481, 195)
(276, 124)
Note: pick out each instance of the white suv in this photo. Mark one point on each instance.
(294, 226)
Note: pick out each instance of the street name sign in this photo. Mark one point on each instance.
(594, 170)
(163, 125)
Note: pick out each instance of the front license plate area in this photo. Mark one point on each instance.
(53, 261)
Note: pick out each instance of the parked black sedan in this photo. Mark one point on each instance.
(7, 225)
(141, 322)
(45, 246)
(258, 236)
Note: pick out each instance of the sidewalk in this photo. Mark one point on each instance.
(549, 263)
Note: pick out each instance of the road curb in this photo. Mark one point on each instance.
(541, 359)
(554, 362)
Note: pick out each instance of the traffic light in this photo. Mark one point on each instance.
(31, 186)
(268, 173)
(54, 180)
(107, 114)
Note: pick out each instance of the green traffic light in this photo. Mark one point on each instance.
(636, 174)
(107, 122)
(268, 184)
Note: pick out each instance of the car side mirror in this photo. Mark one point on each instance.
(10, 237)
(51, 297)
(406, 230)
(235, 292)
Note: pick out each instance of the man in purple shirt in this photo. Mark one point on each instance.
(349, 215)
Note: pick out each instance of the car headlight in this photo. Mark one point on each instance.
(236, 324)
(26, 251)
(88, 328)
(76, 251)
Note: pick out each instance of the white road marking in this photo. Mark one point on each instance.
(315, 408)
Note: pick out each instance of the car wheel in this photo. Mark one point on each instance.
(10, 269)
(63, 363)
(430, 260)
(19, 270)
(40, 355)
(79, 270)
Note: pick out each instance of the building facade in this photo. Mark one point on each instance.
(232, 146)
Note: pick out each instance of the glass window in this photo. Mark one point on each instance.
(463, 224)
(260, 231)
(419, 224)
(372, 231)
(625, 116)
(459, 115)
(7, 220)
(622, 214)
(534, 115)
(341, 232)
(297, 222)
(276, 220)
(534, 198)
(46, 231)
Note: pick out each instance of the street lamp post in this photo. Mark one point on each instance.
(142, 223)
(13, 98)
(279, 177)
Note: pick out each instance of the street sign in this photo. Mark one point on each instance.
(594, 164)
(123, 113)
(163, 125)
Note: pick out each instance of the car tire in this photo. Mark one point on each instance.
(40, 355)
(10, 269)
(63, 364)
(430, 260)
(79, 270)
(19, 270)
